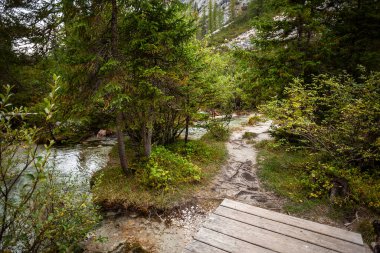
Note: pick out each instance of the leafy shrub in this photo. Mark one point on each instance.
(165, 170)
(201, 116)
(217, 131)
(363, 189)
(249, 135)
(338, 119)
(335, 116)
(254, 120)
(193, 150)
(40, 210)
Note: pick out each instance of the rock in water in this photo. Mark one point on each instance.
(102, 133)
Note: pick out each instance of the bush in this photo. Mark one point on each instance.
(319, 179)
(217, 131)
(40, 210)
(254, 120)
(193, 150)
(166, 169)
(249, 135)
(336, 118)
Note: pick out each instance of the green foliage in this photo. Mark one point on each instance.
(365, 228)
(195, 151)
(305, 38)
(289, 173)
(254, 120)
(337, 119)
(334, 115)
(280, 170)
(41, 211)
(249, 135)
(166, 169)
(116, 188)
(318, 179)
(211, 23)
(219, 86)
(217, 131)
(59, 216)
(25, 40)
(232, 10)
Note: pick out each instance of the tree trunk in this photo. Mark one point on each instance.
(119, 117)
(114, 34)
(120, 143)
(147, 139)
(187, 128)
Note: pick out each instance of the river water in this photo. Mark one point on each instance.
(81, 160)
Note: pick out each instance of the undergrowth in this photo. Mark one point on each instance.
(296, 175)
(168, 179)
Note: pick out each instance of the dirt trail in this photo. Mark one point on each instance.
(238, 178)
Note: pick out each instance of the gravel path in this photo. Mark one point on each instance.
(238, 178)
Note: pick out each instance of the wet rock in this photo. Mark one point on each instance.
(133, 215)
(121, 248)
(260, 199)
(248, 176)
(110, 214)
(101, 134)
(244, 193)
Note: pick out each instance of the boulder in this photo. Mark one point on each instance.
(102, 133)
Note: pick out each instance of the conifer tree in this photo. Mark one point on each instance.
(220, 17)
(126, 56)
(232, 9)
(204, 26)
(210, 16)
(215, 24)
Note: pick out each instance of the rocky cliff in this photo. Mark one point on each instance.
(200, 5)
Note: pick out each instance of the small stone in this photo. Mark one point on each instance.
(248, 176)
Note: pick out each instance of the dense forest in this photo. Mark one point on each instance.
(146, 71)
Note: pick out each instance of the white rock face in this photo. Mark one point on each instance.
(224, 4)
(242, 41)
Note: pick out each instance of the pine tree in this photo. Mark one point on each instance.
(26, 39)
(126, 57)
(220, 17)
(215, 24)
(232, 9)
(155, 36)
(306, 38)
(204, 22)
(210, 16)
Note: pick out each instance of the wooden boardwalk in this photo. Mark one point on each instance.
(241, 228)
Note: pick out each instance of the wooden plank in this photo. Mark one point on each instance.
(288, 230)
(200, 247)
(297, 222)
(228, 243)
(258, 236)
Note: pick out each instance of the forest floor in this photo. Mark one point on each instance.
(237, 179)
